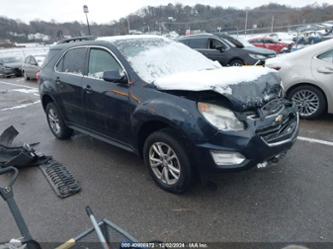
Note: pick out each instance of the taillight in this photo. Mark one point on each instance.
(38, 76)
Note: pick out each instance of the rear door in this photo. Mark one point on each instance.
(69, 74)
(107, 104)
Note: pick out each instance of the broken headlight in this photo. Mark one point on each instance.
(220, 117)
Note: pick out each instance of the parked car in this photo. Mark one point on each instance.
(261, 53)
(221, 50)
(10, 66)
(270, 43)
(307, 76)
(32, 65)
(183, 113)
(309, 37)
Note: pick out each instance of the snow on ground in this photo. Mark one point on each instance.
(21, 53)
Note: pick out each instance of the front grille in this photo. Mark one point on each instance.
(272, 107)
(279, 133)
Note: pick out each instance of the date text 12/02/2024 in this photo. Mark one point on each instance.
(174, 245)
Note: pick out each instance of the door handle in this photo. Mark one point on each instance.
(326, 70)
(88, 89)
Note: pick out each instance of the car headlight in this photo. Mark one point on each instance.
(258, 56)
(220, 117)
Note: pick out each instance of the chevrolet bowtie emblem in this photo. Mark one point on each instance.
(279, 119)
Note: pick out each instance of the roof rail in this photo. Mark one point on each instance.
(77, 39)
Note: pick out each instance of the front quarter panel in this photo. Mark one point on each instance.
(178, 113)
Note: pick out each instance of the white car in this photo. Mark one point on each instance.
(307, 77)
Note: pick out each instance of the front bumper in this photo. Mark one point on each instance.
(265, 140)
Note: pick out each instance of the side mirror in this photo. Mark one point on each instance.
(115, 76)
(220, 48)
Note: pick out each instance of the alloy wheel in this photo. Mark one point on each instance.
(164, 163)
(54, 121)
(307, 102)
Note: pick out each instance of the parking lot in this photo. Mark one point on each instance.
(291, 201)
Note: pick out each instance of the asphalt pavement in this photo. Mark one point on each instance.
(292, 201)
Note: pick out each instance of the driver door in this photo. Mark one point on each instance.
(217, 51)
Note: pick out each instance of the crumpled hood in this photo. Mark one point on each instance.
(246, 87)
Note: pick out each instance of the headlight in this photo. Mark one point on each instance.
(258, 56)
(220, 117)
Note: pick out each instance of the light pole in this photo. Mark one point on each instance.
(86, 11)
(246, 19)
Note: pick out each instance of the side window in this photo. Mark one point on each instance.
(32, 61)
(198, 43)
(101, 61)
(327, 56)
(216, 44)
(27, 60)
(72, 62)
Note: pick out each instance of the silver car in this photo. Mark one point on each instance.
(307, 76)
(32, 65)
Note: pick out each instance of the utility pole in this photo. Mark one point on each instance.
(272, 27)
(246, 19)
(86, 11)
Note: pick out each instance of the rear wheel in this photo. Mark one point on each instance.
(236, 63)
(167, 161)
(309, 100)
(56, 123)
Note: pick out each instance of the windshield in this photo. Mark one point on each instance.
(152, 58)
(230, 43)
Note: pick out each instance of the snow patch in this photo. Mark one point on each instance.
(20, 106)
(218, 80)
(28, 91)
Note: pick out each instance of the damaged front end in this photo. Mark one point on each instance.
(270, 123)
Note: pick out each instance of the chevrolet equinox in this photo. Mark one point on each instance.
(184, 114)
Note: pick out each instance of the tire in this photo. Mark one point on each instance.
(56, 123)
(310, 101)
(25, 76)
(236, 63)
(162, 140)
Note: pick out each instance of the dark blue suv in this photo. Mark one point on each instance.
(183, 113)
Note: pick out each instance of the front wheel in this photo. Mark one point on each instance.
(167, 161)
(56, 123)
(309, 100)
(236, 63)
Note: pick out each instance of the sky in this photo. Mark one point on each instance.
(104, 11)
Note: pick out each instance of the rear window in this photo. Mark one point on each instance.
(50, 55)
(327, 56)
(73, 61)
